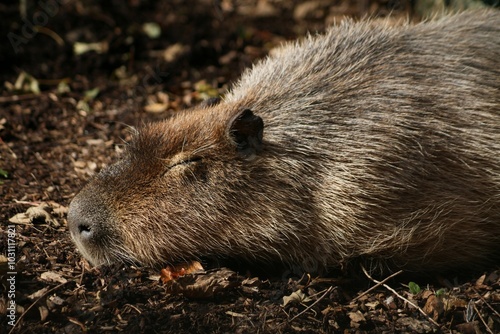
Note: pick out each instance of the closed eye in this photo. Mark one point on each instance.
(184, 162)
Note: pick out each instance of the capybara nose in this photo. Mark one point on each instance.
(80, 222)
(86, 218)
(79, 226)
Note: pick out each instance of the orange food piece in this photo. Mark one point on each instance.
(174, 272)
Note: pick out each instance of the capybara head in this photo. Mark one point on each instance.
(371, 142)
(195, 161)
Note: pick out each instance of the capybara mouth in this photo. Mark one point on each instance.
(103, 252)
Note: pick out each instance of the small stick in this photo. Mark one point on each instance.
(15, 98)
(402, 298)
(133, 307)
(8, 148)
(309, 307)
(33, 304)
(487, 304)
(50, 33)
(82, 265)
(482, 319)
(377, 285)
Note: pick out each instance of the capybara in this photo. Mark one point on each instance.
(372, 142)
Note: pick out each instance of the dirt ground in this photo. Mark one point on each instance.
(72, 86)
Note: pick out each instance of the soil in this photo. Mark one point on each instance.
(65, 114)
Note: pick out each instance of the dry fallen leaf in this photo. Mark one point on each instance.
(469, 327)
(434, 307)
(173, 52)
(426, 294)
(454, 303)
(253, 282)
(415, 324)
(33, 213)
(76, 322)
(480, 281)
(56, 300)
(51, 276)
(234, 314)
(296, 297)
(44, 312)
(251, 285)
(372, 305)
(152, 29)
(203, 284)
(38, 294)
(356, 316)
(58, 208)
(81, 48)
(156, 107)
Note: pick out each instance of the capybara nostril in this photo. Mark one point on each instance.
(85, 230)
(80, 221)
(89, 223)
(82, 230)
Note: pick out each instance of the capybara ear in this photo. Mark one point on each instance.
(246, 130)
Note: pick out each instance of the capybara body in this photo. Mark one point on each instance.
(371, 142)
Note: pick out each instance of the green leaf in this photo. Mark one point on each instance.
(62, 87)
(440, 292)
(26, 83)
(414, 288)
(4, 173)
(152, 29)
(91, 94)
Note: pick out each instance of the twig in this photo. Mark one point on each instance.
(482, 319)
(15, 98)
(377, 285)
(487, 304)
(27, 202)
(83, 272)
(317, 293)
(133, 307)
(402, 298)
(309, 307)
(8, 148)
(50, 33)
(33, 304)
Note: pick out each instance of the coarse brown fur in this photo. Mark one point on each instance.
(379, 143)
